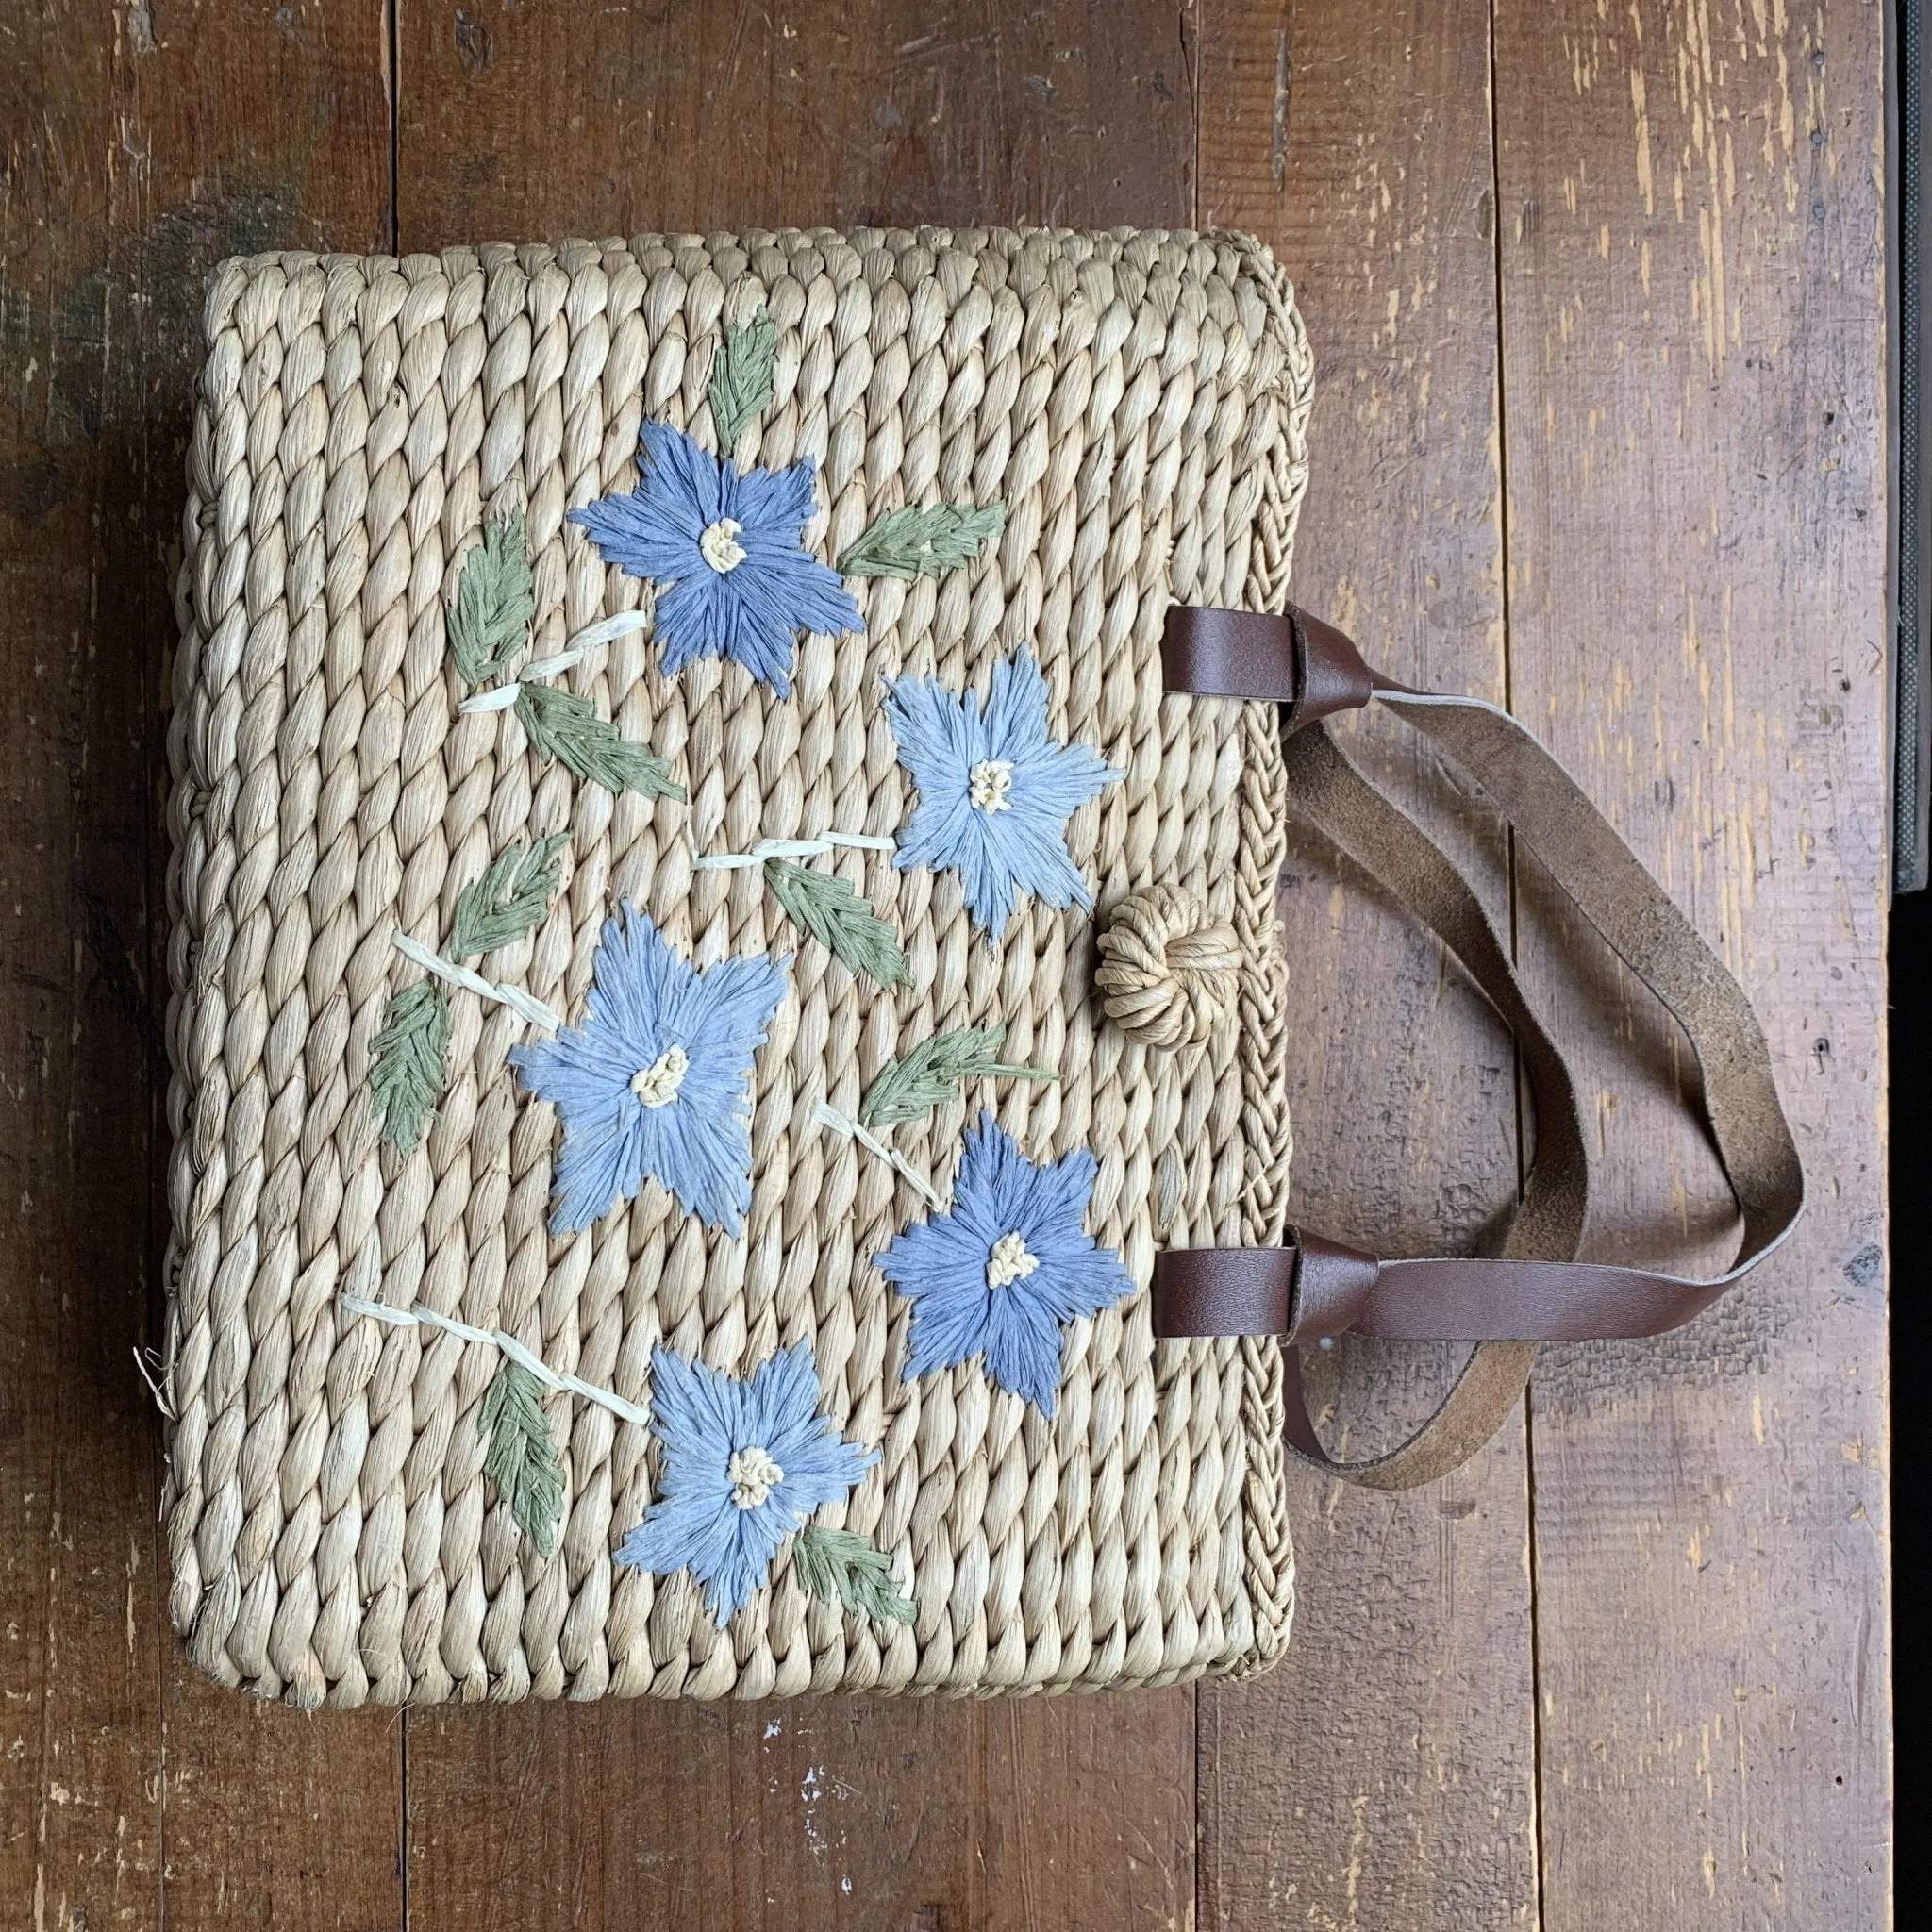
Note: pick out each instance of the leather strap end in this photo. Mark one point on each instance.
(1330, 674)
(1286, 658)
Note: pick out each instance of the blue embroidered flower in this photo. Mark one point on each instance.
(741, 584)
(994, 792)
(656, 1080)
(745, 1464)
(998, 1272)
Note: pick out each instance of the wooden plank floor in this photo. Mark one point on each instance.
(1595, 295)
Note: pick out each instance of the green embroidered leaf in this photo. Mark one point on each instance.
(497, 597)
(905, 543)
(934, 1071)
(842, 1567)
(406, 1062)
(521, 1460)
(741, 378)
(507, 900)
(822, 905)
(566, 727)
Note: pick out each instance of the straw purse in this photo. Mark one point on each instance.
(727, 1012)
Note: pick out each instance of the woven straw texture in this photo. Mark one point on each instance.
(1138, 402)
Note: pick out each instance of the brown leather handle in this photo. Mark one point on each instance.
(1537, 1290)
(1310, 1288)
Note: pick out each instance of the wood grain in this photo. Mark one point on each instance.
(1062, 1813)
(143, 143)
(1384, 1774)
(1692, 343)
(520, 121)
(819, 1812)
(1681, 391)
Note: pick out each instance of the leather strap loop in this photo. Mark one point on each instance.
(1333, 1287)
(1488, 1389)
(1537, 1290)
(1549, 1219)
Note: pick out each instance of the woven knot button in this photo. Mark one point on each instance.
(1168, 976)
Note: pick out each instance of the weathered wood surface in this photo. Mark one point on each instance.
(1690, 272)
(141, 144)
(1385, 1774)
(1616, 272)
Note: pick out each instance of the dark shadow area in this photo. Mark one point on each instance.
(1909, 978)
(1911, 981)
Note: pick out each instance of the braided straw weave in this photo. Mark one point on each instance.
(1138, 402)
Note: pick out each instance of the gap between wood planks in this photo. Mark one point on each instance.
(1540, 1860)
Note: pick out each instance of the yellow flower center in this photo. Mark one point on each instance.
(1012, 1260)
(657, 1084)
(752, 1476)
(719, 544)
(990, 785)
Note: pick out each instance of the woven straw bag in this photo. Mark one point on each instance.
(728, 1014)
